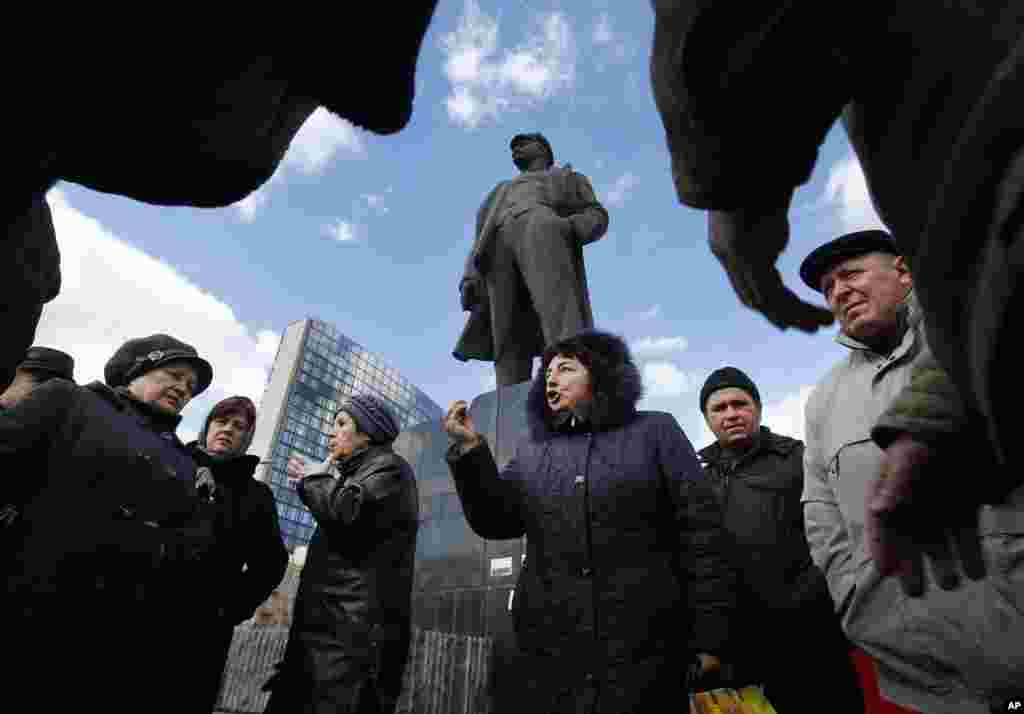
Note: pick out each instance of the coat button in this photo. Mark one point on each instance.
(589, 677)
(586, 572)
(579, 481)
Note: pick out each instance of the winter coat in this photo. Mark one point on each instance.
(762, 514)
(247, 534)
(501, 317)
(107, 556)
(949, 652)
(937, 134)
(351, 627)
(625, 574)
(781, 594)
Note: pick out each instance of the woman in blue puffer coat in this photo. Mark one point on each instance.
(626, 579)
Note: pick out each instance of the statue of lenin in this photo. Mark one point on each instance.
(524, 281)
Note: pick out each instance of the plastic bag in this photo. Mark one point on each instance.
(748, 700)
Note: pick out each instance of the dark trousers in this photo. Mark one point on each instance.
(799, 681)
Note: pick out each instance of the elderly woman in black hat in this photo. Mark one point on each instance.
(104, 552)
(350, 634)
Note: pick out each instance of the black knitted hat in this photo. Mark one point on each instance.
(723, 379)
(373, 417)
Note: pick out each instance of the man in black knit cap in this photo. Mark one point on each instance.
(781, 595)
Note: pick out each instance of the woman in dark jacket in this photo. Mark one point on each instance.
(101, 586)
(350, 634)
(625, 576)
(249, 558)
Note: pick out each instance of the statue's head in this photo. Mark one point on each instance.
(528, 148)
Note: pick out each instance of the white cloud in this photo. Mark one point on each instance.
(375, 202)
(621, 189)
(664, 379)
(322, 137)
(649, 314)
(610, 45)
(250, 206)
(345, 231)
(489, 382)
(187, 433)
(602, 33)
(487, 80)
(652, 347)
(112, 292)
(786, 416)
(846, 193)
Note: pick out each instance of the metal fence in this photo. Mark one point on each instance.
(447, 673)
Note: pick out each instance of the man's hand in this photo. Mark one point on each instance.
(706, 672)
(747, 243)
(907, 523)
(708, 664)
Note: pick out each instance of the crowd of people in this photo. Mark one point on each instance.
(638, 559)
(651, 569)
(129, 557)
(895, 528)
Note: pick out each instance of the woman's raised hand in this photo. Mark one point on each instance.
(296, 469)
(459, 426)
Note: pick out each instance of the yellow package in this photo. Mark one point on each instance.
(731, 702)
(706, 703)
(754, 697)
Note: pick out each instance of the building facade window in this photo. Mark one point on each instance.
(330, 365)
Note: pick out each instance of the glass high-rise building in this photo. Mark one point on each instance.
(314, 366)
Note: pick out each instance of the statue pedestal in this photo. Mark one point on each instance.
(463, 583)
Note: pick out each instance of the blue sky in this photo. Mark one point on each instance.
(370, 232)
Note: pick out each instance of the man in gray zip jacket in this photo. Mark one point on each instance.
(955, 651)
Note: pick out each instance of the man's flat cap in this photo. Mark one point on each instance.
(53, 362)
(825, 257)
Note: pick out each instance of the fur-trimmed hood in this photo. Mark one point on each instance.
(614, 376)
